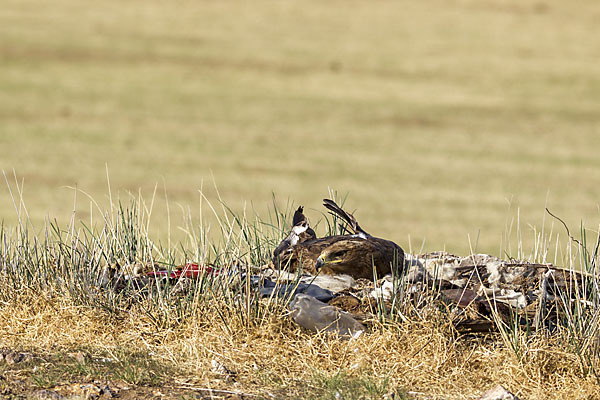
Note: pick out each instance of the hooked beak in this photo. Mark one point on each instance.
(319, 263)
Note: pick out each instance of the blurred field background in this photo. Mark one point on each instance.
(442, 120)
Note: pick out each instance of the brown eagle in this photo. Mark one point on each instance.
(357, 254)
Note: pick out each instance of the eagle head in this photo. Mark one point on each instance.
(345, 258)
(358, 257)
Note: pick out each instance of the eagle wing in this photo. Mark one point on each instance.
(346, 216)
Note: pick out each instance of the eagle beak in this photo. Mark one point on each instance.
(319, 263)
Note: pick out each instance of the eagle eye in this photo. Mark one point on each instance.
(338, 253)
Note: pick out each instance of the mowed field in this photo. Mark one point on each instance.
(441, 120)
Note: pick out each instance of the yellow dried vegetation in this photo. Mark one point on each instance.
(422, 359)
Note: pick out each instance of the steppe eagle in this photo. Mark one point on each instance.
(357, 254)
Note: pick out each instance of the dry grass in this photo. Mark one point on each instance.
(51, 304)
(441, 118)
(277, 358)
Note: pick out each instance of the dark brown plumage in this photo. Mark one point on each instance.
(354, 255)
(347, 217)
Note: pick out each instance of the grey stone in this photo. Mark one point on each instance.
(46, 395)
(498, 393)
(315, 315)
